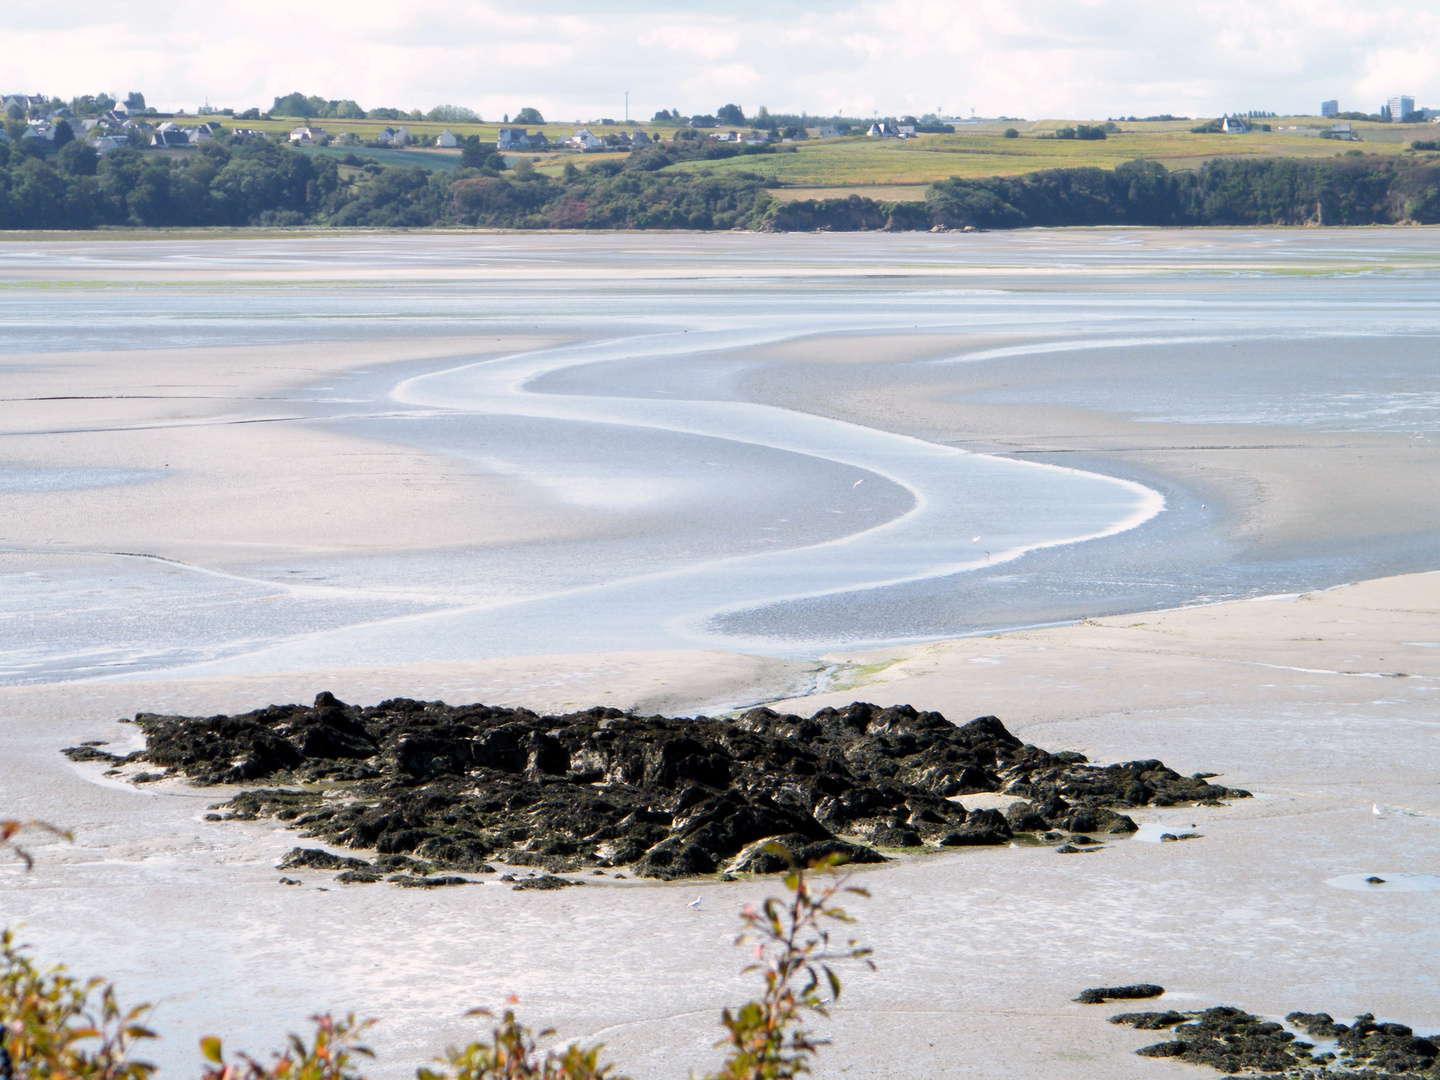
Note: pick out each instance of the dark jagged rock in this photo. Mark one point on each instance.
(318, 859)
(1101, 994)
(1232, 1041)
(358, 877)
(458, 786)
(1385, 1048)
(755, 859)
(1150, 1021)
(545, 882)
(90, 752)
(436, 882)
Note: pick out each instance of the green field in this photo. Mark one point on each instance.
(858, 163)
(816, 168)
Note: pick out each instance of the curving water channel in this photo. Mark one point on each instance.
(711, 505)
(966, 511)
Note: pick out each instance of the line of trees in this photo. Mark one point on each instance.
(261, 183)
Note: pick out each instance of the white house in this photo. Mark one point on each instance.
(1234, 125)
(38, 129)
(881, 131)
(393, 137)
(105, 143)
(446, 141)
(828, 131)
(169, 139)
(307, 136)
(583, 139)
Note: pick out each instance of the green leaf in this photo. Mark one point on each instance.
(210, 1047)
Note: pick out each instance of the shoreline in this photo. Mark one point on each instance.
(1286, 696)
(1188, 687)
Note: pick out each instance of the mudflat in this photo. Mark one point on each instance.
(233, 505)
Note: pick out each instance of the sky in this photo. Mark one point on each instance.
(571, 59)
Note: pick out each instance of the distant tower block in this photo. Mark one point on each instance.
(1330, 108)
(1401, 107)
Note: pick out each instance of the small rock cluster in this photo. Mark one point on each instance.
(431, 787)
(1234, 1041)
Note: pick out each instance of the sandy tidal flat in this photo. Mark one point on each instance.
(555, 471)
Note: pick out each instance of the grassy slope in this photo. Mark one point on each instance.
(856, 163)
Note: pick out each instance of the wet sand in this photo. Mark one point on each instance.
(1299, 700)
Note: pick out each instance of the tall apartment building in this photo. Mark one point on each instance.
(1400, 107)
(1330, 108)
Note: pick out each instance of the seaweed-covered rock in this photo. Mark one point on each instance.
(1101, 994)
(1150, 1021)
(1232, 1040)
(757, 859)
(319, 859)
(545, 882)
(456, 787)
(435, 882)
(1386, 1048)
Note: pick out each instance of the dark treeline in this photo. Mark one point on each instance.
(1263, 191)
(266, 184)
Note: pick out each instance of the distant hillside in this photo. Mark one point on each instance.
(263, 184)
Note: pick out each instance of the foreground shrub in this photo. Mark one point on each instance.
(793, 949)
(57, 1027)
(54, 1027)
(512, 1054)
(328, 1056)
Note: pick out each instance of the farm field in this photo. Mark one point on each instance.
(859, 162)
(897, 170)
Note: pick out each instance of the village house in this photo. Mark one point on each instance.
(103, 144)
(393, 137)
(881, 131)
(23, 102)
(640, 140)
(1234, 125)
(168, 140)
(827, 131)
(307, 136)
(517, 139)
(446, 140)
(584, 140)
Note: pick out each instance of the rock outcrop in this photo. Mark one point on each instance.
(455, 786)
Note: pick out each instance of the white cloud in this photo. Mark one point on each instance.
(572, 59)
